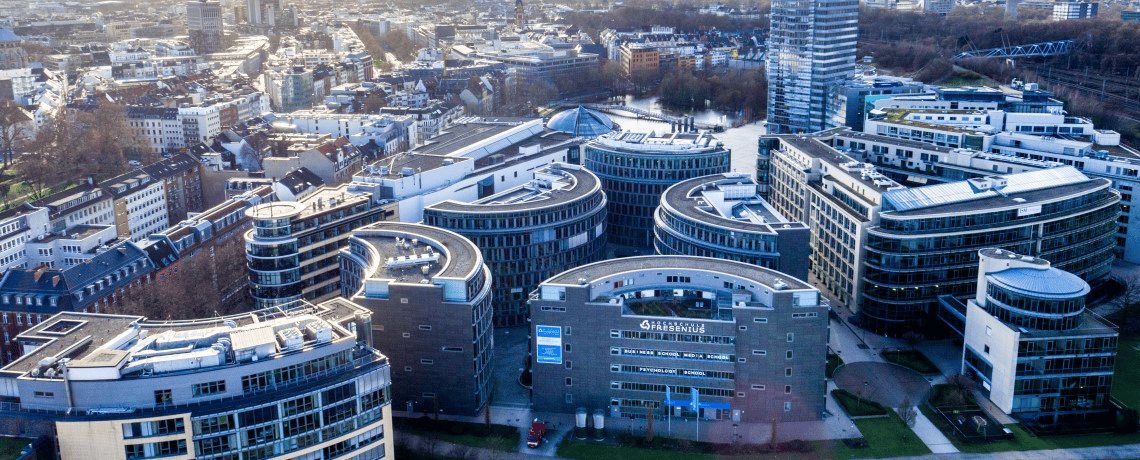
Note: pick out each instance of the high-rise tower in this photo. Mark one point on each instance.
(204, 25)
(520, 15)
(812, 47)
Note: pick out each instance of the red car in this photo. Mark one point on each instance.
(537, 431)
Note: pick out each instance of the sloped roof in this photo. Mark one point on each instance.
(581, 122)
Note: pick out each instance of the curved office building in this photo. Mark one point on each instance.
(636, 168)
(679, 337)
(555, 222)
(1035, 351)
(291, 250)
(723, 216)
(927, 240)
(272, 383)
(431, 295)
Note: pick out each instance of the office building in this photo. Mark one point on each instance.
(204, 25)
(293, 244)
(707, 338)
(723, 216)
(887, 251)
(811, 48)
(431, 293)
(636, 168)
(266, 384)
(1036, 351)
(553, 223)
(1064, 10)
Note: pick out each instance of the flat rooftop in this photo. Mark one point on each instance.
(728, 200)
(405, 248)
(654, 143)
(325, 199)
(553, 185)
(599, 270)
(814, 147)
(92, 340)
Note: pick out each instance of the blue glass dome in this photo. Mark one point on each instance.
(581, 122)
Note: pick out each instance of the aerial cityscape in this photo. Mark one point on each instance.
(509, 229)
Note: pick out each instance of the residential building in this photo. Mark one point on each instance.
(723, 216)
(264, 384)
(182, 182)
(28, 295)
(333, 160)
(870, 234)
(293, 244)
(636, 168)
(705, 338)
(639, 60)
(528, 233)
(18, 226)
(1034, 348)
(431, 292)
(140, 204)
(204, 25)
(811, 48)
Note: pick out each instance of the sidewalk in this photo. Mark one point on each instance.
(931, 435)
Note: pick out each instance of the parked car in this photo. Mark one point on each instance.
(537, 431)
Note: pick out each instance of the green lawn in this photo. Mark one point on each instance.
(590, 451)
(886, 437)
(10, 446)
(833, 362)
(856, 406)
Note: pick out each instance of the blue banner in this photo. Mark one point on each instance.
(548, 344)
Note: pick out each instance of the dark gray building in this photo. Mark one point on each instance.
(747, 343)
(636, 168)
(529, 233)
(723, 216)
(431, 294)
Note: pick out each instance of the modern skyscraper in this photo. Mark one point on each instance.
(811, 47)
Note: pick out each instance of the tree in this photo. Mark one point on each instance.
(908, 413)
(913, 338)
(1126, 301)
(14, 127)
(183, 293)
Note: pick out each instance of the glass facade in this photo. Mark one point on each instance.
(634, 175)
(912, 259)
(811, 48)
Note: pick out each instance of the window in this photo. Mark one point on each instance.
(569, 364)
(44, 394)
(453, 349)
(566, 347)
(163, 397)
(760, 320)
(759, 387)
(427, 361)
(742, 328)
(791, 336)
(986, 349)
(789, 354)
(569, 381)
(425, 327)
(208, 388)
(566, 330)
(569, 398)
(787, 372)
(787, 406)
(406, 335)
(760, 352)
(787, 389)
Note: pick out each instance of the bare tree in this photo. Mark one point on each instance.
(1126, 301)
(908, 413)
(14, 129)
(913, 338)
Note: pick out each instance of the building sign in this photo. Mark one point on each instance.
(673, 326)
(1029, 211)
(723, 357)
(548, 344)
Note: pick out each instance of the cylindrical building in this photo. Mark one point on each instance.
(723, 216)
(555, 222)
(431, 297)
(636, 168)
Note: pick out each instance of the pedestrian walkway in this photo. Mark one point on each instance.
(931, 435)
(1127, 451)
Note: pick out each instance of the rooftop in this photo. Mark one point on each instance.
(599, 270)
(653, 143)
(325, 199)
(967, 194)
(553, 185)
(406, 249)
(137, 347)
(727, 200)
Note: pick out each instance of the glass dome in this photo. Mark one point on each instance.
(581, 122)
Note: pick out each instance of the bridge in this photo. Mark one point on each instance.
(642, 113)
(1033, 49)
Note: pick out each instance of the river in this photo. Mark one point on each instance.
(740, 140)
